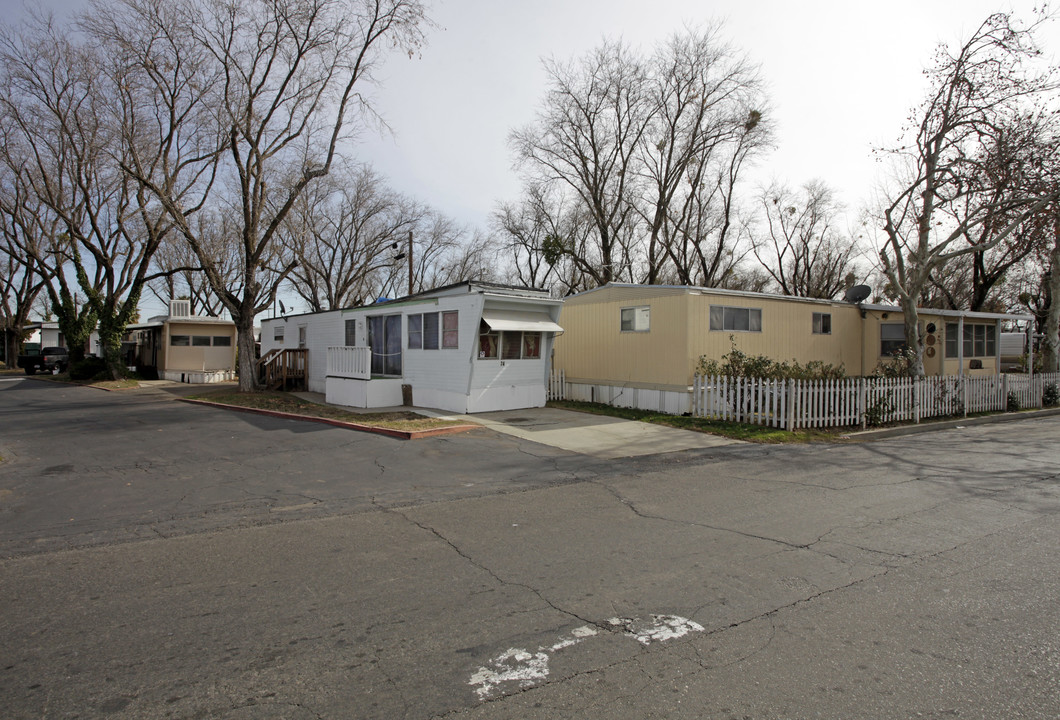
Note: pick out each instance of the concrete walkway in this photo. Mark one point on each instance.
(597, 435)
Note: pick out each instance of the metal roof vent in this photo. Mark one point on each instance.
(180, 308)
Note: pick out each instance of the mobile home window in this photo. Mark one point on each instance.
(511, 345)
(488, 342)
(277, 332)
(735, 318)
(822, 323)
(222, 341)
(200, 340)
(430, 331)
(636, 319)
(951, 340)
(450, 329)
(892, 338)
(978, 340)
(508, 345)
(531, 345)
(415, 332)
(351, 333)
(180, 340)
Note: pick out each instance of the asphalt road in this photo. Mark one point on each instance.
(162, 560)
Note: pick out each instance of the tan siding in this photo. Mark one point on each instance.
(594, 347)
(200, 358)
(787, 331)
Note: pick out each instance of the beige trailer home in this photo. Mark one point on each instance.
(182, 347)
(622, 338)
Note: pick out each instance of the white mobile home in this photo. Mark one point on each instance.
(469, 347)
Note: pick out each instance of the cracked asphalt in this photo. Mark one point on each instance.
(163, 560)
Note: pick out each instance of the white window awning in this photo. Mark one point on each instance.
(524, 320)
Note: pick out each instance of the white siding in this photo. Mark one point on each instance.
(448, 378)
(445, 369)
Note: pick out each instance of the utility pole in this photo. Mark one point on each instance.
(410, 262)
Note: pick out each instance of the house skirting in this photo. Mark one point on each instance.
(670, 402)
(199, 377)
(388, 392)
(375, 393)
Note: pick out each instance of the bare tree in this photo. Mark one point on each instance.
(706, 123)
(443, 252)
(20, 282)
(535, 234)
(652, 150)
(285, 80)
(962, 178)
(180, 275)
(1051, 287)
(801, 249)
(586, 140)
(60, 150)
(345, 233)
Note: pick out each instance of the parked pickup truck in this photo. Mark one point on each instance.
(49, 359)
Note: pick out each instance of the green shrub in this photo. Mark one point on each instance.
(737, 363)
(896, 366)
(1051, 395)
(1013, 404)
(91, 368)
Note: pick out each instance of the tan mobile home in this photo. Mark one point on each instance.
(648, 338)
(182, 347)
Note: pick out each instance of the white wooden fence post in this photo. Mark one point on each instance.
(1004, 392)
(791, 406)
(862, 406)
(916, 401)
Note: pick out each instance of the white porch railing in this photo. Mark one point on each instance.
(350, 362)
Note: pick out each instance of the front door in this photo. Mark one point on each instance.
(384, 338)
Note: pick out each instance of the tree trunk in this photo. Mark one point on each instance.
(914, 343)
(1051, 341)
(246, 353)
(110, 342)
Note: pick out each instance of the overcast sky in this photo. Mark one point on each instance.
(842, 76)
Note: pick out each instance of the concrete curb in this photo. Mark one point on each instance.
(950, 424)
(389, 432)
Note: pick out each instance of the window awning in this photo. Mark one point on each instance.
(526, 321)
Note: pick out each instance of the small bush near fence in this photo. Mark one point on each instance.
(1051, 395)
(738, 364)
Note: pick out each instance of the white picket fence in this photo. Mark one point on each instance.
(798, 404)
(557, 385)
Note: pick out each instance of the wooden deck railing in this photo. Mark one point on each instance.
(282, 368)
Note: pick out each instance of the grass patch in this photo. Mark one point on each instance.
(287, 403)
(736, 431)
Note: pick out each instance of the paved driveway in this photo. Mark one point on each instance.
(596, 435)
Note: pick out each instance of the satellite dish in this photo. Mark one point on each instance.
(283, 310)
(857, 293)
